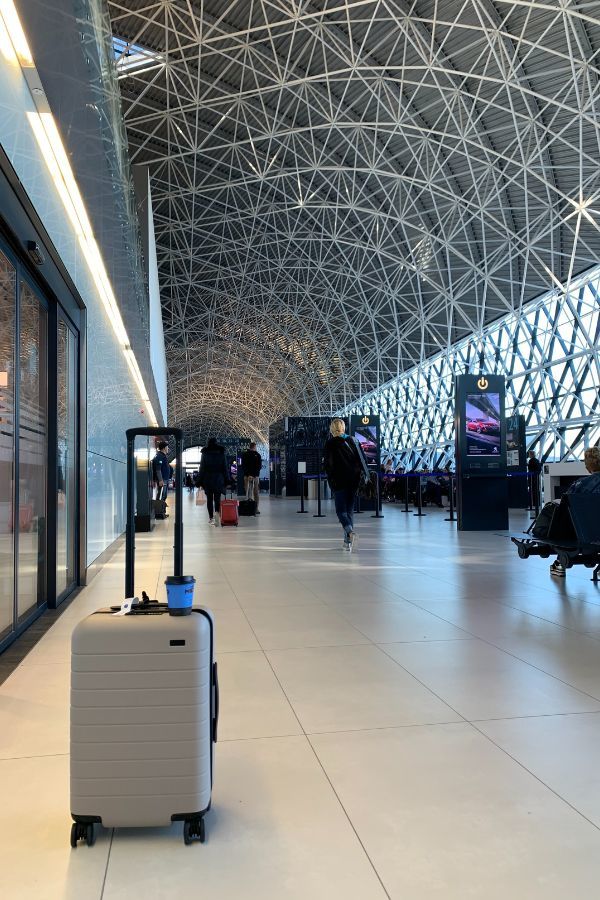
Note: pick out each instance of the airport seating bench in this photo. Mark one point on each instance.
(573, 535)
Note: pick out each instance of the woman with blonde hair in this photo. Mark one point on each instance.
(346, 467)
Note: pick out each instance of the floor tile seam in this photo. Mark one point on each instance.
(535, 615)
(537, 778)
(288, 701)
(423, 685)
(108, 855)
(400, 727)
(365, 643)
(418, 572)
(33, 756)
(348, 818)
(262, 737)
(539, 669)
(507, 606)
(552, 715)
(376, 643)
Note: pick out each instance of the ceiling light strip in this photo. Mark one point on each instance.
(52, 148)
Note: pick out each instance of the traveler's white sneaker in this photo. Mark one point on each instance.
(211, 521)
(351, 541)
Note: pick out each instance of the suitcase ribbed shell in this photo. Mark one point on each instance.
(141, 729)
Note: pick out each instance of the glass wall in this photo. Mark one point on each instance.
(34, 529)
(66, 457)
(7, 438)
(32, 456)
(548, 353)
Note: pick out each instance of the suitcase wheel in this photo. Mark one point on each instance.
(194, 830)
(81, 831)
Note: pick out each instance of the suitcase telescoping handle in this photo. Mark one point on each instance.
(132, 433)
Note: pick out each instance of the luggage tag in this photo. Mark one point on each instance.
(126, 606)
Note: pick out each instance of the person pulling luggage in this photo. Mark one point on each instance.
(213, 477)
(346, 469)
(251, 466)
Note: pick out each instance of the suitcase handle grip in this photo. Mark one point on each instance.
(216, 709)
(132, 433)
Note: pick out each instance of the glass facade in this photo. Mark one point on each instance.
(32, 453)
(66, 457)
(8, 282)
(39, 453)
(548, 353)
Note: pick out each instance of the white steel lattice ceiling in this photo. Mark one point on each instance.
(344, 188)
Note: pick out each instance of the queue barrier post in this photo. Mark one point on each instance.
(378, 513)
(419, 511)
(530, 490)
(301, 510)
(451, 517)
(406, 509)
(319, 514)
(535, 494)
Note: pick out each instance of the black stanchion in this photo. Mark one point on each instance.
(357, 508)
(378, 513)
(318, 514)
(451, 517)
(406, 509)
(419, 511)
(530, 490)
(301, 510)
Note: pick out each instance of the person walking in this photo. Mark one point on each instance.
(346, 468)
(161, 470)
(251, 466)
(213, 477)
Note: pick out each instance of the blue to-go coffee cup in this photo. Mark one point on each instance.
(180, 594)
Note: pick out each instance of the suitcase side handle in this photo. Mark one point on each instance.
(132, 433)
(215, 721)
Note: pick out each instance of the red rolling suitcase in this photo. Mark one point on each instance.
(229, 512)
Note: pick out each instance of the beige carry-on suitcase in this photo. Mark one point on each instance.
(144, 704)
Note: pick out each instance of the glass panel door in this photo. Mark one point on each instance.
(8, 285)
(32, 452)
(66, 479)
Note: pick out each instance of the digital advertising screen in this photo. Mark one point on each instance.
(366, 435)
(483, 424)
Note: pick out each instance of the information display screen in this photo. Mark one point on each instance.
(483, 424)
(366, 435)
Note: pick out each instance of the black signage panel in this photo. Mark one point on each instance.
(480, 423)
(480, 426)
(365, 428)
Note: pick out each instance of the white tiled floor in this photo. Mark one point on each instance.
(418, 720)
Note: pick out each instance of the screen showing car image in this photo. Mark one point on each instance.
(483, 424)
(366, 435)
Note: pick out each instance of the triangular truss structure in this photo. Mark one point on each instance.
(548, 355)
(343, 189)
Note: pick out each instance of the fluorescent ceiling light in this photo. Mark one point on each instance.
(52, 148)
(15, 31)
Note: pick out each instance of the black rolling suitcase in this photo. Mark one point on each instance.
(160, 509)
(247, 507)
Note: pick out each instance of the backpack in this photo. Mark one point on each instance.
(541, 526)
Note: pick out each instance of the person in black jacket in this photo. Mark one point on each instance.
(251, 466)
(213, 478)
(345, 466)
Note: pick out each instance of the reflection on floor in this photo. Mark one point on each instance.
(418, 720)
